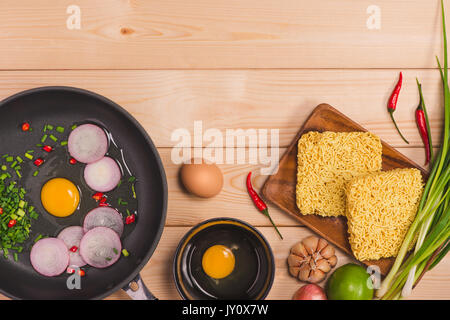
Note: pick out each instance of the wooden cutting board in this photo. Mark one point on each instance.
(280, 187)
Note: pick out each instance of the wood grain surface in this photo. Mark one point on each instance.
(235, 64)
(133, 34)
(166, 100)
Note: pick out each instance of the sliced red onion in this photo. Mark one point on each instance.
(49, 257)
(102, 175)
(87, 143)
(71, 237)
(104, 217)
(100, 247)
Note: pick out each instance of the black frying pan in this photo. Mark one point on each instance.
(65, 106)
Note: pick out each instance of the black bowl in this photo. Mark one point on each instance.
(253, 273)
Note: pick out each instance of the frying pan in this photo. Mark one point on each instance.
(64, 106)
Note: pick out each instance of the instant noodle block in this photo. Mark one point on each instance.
(380, 209)
(326, 162)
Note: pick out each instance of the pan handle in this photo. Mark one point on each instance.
(137, 290)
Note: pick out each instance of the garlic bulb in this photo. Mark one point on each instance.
(311, 259)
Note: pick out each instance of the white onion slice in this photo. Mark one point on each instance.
(87, 143)
(102, 175)
(104, 217)
(49, 257)
(100, 247)
(71, 237)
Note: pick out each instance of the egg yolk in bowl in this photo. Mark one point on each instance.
(60, 197)
(218, 261)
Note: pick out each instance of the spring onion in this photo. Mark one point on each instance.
(15, 220)
(429, 233)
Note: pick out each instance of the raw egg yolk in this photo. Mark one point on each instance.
(218, 261)
(60, 197)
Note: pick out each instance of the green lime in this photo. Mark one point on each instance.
(349, 282)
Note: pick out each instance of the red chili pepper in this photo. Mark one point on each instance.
(130, 219)
(392, 103)
(423, 125)
(71, 270)
(1, 210)
(12, 223)
(38, 162)
(47, 148)
(102, 202)
(259, 203)
(97, 196)
(74, 249)
(72, 161)
(25, 126)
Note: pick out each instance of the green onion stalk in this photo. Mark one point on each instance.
(429, 233)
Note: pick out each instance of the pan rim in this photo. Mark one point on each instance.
(160, 166)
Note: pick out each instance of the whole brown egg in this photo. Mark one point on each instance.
(201, 179)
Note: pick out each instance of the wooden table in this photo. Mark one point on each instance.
(234, 64)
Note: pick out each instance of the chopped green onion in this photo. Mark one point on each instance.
(64, 143)
(44, 137)
(125, 253)
(53, 137)
(29, 156)
(13, 164)
(19, 159)
(73, 127)
(131, 179)
(60, 129)
(35, 173)
(134, 191)
(9, 159)
(38, 238)
(49, 127)
(15, 257)
(4, 168)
